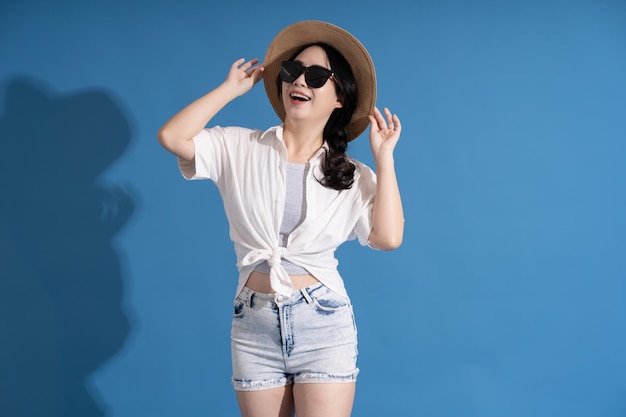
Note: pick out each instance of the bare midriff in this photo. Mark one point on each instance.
(260, 282)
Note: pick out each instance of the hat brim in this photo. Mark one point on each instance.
(290, 39)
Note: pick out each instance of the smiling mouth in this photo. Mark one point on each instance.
(299, 97)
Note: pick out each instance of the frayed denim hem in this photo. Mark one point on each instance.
(244, 385)
(302, 378)
(320, 378)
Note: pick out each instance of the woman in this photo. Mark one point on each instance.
(292, 196)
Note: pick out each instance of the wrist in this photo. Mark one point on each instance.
(228, 91)
(384, 158)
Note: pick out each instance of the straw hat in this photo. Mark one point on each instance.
(290, 39)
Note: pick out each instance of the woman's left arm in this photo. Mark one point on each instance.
(388, 216)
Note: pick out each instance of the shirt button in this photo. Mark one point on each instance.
(280, 298)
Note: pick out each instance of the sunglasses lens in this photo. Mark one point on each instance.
(315, 76)
(290, 71)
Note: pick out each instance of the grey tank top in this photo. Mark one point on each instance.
(294, 214)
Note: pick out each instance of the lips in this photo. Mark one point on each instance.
(299, 96)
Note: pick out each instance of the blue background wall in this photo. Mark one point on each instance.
(508, 297)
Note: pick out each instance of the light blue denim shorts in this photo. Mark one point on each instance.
(310, 337)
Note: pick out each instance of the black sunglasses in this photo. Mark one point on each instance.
(315, 76)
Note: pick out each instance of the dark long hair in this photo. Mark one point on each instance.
(337, 169)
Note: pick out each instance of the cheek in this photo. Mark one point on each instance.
(283, 92)
(334, 99)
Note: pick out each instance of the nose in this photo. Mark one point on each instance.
(301, 81)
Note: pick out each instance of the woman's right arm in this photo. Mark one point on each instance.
(177, 133)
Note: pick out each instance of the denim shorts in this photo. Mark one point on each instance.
(310, 337)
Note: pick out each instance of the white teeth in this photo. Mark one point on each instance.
(300, 97)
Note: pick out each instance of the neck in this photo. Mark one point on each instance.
(302, 142)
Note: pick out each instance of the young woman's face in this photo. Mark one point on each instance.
(303, 102)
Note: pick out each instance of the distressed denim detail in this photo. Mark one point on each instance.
(276, 341)
(312, 378)
(328, 302)
(238, 309)
(246, 385)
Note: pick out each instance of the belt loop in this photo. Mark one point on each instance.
(306, 295)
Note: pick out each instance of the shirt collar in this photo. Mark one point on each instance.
(275, 133)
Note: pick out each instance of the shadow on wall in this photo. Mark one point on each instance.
(60, 278)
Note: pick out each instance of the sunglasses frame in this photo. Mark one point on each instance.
(288, 76)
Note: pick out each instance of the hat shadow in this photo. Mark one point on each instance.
(61, 279)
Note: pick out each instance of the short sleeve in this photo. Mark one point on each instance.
(366, 184)
(209, 155)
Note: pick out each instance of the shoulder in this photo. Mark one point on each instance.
(364, 179)
(227, 137)
(229, 132)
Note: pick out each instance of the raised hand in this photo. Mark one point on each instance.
(384, 134)
(243, 75)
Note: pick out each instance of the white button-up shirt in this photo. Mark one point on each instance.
(248, 167)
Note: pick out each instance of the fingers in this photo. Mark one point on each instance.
(242, 65)
(257, 74)
(377, 121)
(237, 63)
(242, 69)
(396, 123)
(392, 121)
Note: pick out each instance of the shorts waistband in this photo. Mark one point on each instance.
(247, 294)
